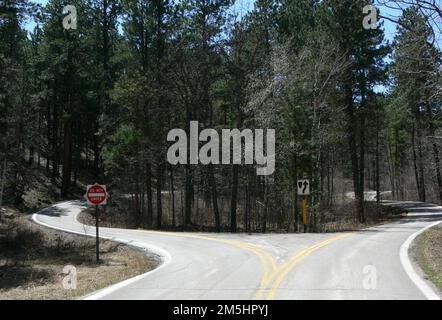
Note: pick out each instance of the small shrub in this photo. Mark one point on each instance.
(27, 238)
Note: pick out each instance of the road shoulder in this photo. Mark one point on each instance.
(427, 256)
(44, 263)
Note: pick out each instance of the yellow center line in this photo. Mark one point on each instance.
(272, 274)
(286, 268)
(268, 263)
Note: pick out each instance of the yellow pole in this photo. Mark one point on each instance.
(304, 213)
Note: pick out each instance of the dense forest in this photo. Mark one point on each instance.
(352, 111)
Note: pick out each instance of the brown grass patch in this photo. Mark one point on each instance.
(32, 261)
(428, 252)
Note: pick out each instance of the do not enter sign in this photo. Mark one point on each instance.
(96, 194)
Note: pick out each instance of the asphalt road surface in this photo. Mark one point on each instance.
(370, 264)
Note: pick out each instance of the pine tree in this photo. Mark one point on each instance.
(365, 53)
(416, 70)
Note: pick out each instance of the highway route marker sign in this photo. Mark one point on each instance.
(303, 187)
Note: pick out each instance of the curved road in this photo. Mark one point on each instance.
(370, 264)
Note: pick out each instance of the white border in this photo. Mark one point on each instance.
(420, 283)
(411, 272)
(166, 258)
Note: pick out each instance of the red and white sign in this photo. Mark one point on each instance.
(96, 194)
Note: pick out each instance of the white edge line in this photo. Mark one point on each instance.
(100, 294)
(166, 259)
(411, 272)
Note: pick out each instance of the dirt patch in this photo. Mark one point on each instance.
(428, 253)
(32, 259)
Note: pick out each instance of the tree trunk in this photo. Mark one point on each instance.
(31, 156)
(437, 168)
(377, 164)
(2, 186)
(188, 197)
(362, 170)
(214, 199)
(351, 135)
(159, 196)
(415, 164)
(40, 137)
(247, 208)
(266, 196)
(435, 150)
(67, 159)
(96, 152)
(234, 202)
(422, 174)
(172, 190)
(149, 194)
(55, 144)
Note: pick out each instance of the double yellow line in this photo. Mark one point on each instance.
(268, 290)
(267, 261)
(273, 276)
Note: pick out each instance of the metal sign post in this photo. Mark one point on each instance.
(97, 237)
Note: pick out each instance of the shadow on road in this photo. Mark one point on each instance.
(53, 212)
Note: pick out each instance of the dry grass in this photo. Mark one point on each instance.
(343, 218)
(43, 279)
(32, 262)
(428, 252)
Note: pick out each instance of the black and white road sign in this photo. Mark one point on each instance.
(303, 187)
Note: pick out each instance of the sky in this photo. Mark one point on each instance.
(241, 6)
(244, 6)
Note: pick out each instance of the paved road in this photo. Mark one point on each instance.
(359, 265)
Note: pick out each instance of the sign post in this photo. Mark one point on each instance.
(304, 191)
(304, 213)
(97, 236)
(96, 195)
